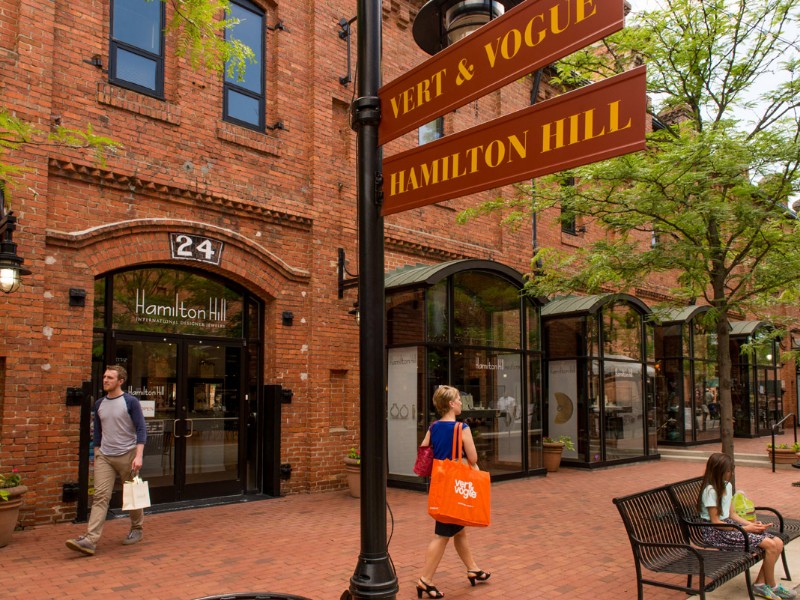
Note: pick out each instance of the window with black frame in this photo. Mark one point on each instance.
(243, 93)
(136, 49)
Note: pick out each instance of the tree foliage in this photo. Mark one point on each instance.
(706, 203)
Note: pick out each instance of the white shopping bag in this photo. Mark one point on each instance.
(135, 494)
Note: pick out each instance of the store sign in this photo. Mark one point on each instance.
(178, 311)
(185, 246)
(530, 36)
(593, 123)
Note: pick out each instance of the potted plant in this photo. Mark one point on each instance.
(552, 449)
(352, 468)
(784, 453)
(11, 493)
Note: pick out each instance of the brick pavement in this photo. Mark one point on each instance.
(552, 537)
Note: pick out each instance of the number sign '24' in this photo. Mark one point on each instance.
(186, 246)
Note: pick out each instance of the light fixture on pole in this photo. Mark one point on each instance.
(11, 268)
(441, 23)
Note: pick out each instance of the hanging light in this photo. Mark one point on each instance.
(11, 268)
(441, 23)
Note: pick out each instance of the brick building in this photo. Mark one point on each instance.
(204, 255)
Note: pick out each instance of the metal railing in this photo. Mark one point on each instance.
(775, 428)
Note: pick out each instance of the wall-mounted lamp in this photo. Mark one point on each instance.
(355, 312)
(443, 22)
(11, 268)
(287, 317)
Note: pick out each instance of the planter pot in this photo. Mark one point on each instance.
(783, 456)
(551, 455)
(9, 512)
(352, 470)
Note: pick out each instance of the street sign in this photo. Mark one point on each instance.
(533, 34)
(593, 123)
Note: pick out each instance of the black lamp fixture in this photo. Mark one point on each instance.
(11, 268)
(441, 23)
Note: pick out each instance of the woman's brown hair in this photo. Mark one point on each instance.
(717, 467)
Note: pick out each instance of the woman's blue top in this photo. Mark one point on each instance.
(442, 439)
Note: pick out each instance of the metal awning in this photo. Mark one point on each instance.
(428, 275)
(583, 305)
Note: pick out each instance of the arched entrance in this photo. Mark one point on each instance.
(191, 345)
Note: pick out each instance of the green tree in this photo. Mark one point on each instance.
(707, 201)
(198, 27)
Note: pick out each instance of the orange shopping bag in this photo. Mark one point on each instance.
(459, 494)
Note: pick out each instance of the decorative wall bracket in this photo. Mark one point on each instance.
(344, 34)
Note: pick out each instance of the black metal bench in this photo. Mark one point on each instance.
(685, 494)
(661, 543)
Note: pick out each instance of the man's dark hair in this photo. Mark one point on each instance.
(122, 374)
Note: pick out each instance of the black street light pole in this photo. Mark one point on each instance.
(374, 575)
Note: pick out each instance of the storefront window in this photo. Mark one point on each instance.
(99, 303)
(474, 340)
(437, 311)
(491, 385)
(404, 317)
(173, 301)
(486, 311)
(622, 332)
(564, 337)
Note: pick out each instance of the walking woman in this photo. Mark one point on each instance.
(715, 506)
(447, 401)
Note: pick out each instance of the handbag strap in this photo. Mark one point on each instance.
(457, 428)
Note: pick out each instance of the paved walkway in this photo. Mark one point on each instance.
(552, 537)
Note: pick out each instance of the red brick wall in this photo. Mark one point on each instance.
(282, 202)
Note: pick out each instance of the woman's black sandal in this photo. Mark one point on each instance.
(428, 589)
(475, 576)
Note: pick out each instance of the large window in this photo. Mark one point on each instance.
(243, 100)
(473, 330)
(136, 53)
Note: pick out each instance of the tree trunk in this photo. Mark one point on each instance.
(724, 368)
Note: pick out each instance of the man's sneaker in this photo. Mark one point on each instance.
(134, 537)
(81, 545)
(782, 592)
(764, 591)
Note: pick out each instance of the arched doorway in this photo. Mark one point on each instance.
(191, 345)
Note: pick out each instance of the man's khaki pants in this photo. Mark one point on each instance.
(106, 469)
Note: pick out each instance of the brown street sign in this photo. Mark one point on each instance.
(593, 123)
(529, 36)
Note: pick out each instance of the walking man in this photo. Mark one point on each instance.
(119, 437)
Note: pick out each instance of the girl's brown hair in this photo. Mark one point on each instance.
(442, 398)
(717, 467)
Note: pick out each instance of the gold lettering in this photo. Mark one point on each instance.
(423, 92)
(490, 158)
(396, 106)
(430, 173)
(517, 44)
(397, 186)
(613, 118)
(472, 154)
(574, 128)
(582, 15)
(445, 168)
(554, 20)
(522, 149)
(408, 101)
(491, 52)
(529, 32)
(412, 183)
(437, 79)
(557, 137)
(589, 130)
(456, 172)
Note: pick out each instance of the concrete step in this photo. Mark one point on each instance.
(701, 456)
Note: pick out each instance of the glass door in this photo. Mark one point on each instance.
(208, 419)
(191, 397)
